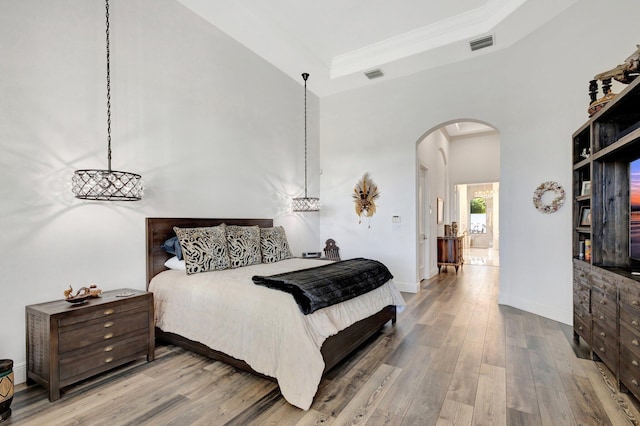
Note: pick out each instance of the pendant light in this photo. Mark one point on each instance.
(305, 204)
(107, 185)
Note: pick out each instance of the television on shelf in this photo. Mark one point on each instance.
(634, 210)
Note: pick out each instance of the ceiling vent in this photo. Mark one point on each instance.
(374, 74)
(481, 43)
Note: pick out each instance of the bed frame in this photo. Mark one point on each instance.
(334, 349)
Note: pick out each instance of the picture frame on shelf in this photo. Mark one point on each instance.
(586, 188)
(585, 216)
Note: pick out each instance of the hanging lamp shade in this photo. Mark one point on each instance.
(107, 185)
(305, 204)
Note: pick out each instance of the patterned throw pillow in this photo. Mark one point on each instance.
(274, 245)
(203, 249)
(244, 245)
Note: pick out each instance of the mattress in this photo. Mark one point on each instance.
(265, 328)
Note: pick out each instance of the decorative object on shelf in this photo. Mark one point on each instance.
(454, 229)
(585, 216)
(6, 388)
(107, 185)
(557, 201)
(305, 204)
(365, 195)
(581, 251)
(447, 230)
(587, 250)
(586, 188)
(624, 73)
(586, 153)
(83, 294)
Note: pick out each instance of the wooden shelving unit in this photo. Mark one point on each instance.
(606, 293)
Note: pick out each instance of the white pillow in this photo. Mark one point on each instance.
(174, 263)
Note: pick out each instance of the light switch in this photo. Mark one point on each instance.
(395, 219)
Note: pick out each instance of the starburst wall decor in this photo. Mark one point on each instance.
(365, 195)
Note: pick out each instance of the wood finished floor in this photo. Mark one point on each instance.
(455, 357)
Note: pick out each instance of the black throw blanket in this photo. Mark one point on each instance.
(326, 285)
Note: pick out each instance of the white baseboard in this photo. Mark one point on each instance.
(408, 287)
(19, 372)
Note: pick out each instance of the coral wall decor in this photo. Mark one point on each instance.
(365, 195)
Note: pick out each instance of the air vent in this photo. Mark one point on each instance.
(374, 74)
(481, 43)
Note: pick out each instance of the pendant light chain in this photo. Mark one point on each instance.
(305, 76)
(108, 90)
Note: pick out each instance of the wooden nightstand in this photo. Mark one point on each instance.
(67, 343)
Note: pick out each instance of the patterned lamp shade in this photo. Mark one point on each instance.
(107, 185)
(305, 204)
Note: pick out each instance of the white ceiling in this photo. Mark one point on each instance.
(335, 41)
(466, 128)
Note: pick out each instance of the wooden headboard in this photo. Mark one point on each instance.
(159, 229)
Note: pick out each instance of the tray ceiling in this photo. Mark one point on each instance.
(337, 41)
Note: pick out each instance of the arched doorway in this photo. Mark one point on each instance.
(458, 152)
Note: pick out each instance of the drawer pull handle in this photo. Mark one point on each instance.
(634, 342)
(108, 324)
(108, 311)
(580, 328)
(108, 336)
(635, 382)
(108, 349)
(602, 350)
(634, 362)
(603, 334)
(602, 317)
(602, 302)
(108, 360)
(634, 322)
(634, 302)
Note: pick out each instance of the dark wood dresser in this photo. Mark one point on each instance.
(450, 252)
(67, 343)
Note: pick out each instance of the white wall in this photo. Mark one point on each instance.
(214, 130)
(475, 159)
(534, 93)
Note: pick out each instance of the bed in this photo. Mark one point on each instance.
(323, 338)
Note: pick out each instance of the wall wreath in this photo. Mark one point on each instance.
(557, 201)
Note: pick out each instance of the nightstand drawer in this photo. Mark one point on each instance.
(101, 330)
(103, 356)
(105, 311)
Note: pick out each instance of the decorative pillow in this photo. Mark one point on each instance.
(172, 246)
(274, 245)
(174, 263)
(204, 249)
(244, 245)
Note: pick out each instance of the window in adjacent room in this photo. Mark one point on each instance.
(478, 217)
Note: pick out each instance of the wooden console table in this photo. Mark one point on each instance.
(450, 252)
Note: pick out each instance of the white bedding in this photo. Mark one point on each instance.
(227, 312)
